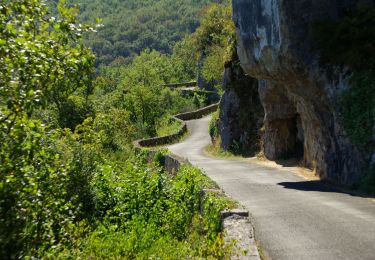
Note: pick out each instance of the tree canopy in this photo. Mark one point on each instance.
(129, 26)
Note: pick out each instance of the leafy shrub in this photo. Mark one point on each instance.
(36, 209)
(358, 110)
(159, 157)
(167, 126)
(142, 212)
(213, 128)
(42, 62)
(70, 195)
(212, 205)
(215, 40)
(74, 111)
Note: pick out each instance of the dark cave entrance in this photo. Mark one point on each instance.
(299, 138)
(286, 139)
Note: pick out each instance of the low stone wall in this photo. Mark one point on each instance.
(171, 162)
(198, 113)
(237, 228)
(184, 84)
(168, 139)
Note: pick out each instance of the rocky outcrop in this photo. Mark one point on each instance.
(299, 96)
(241, 114)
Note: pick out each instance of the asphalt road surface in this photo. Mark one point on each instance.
(293, 218)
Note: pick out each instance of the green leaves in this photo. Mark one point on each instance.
(40, 54)
(214, 40)
(64, 193)
(131, 26)
(41, 61)
(36, 210)
(348, 41)
(358, 110)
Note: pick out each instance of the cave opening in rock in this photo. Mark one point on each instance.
(299, 138)
(285, 139)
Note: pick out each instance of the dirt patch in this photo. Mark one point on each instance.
(285, 165)
(291, 165)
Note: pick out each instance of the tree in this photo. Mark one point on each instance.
(41, 61)
(215, 40)
(136, 25)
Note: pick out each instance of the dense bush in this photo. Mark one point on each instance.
(136, 89)
(41, 59)
(213, 128)
(214, 40)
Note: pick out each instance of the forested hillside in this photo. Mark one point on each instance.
(129, 26)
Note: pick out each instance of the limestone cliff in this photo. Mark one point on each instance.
(241, 113)
(299, 96)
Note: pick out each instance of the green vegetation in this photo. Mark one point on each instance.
(213, 127)
(41, 61)
(214, 150)
(130, 26)
(215, 40)
(136, 89)
(235, 151)
(349, 42)
(161, 219)
(71, 185)
(168, 126)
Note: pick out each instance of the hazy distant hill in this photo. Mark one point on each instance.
(132, 25)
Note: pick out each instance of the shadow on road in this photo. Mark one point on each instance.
(320, 186)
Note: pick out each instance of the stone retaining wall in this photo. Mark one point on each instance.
(171, 162)
(184, 84)
(198, 113)
(168, 139)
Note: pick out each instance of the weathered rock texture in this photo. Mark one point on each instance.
(241, 113)
(299, 96)
(238, 230)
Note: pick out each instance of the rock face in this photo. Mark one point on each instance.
(299, 96)
(241, 113)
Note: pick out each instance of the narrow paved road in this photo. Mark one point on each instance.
(293, 218)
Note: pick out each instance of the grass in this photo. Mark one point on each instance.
(168, 127)
(214, 150)
(262, 253)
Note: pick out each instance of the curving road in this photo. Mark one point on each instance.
(293, 218)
